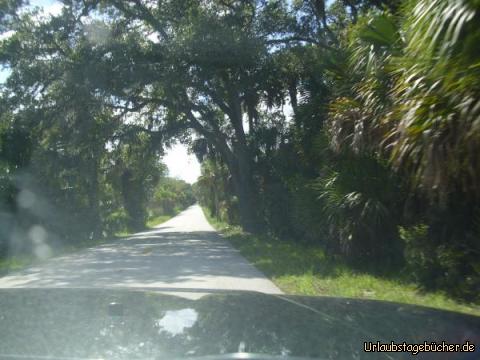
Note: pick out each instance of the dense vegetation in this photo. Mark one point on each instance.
(170, 197)
(378, 162)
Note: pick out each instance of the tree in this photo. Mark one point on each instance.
(75, 138)
(209, 71)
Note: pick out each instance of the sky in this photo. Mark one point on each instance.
(50, 6)
(181, 164)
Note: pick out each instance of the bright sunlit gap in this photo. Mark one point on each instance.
(181, 164)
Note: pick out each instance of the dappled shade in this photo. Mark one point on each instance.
(184, 252)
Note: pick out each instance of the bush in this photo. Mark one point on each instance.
(440, 265)
(361, 201)
(115, 222)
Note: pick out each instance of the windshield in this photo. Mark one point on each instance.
(309, 169)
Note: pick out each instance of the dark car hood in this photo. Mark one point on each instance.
(134, 324)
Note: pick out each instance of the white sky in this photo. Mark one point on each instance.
(181, 164)
(52, 7)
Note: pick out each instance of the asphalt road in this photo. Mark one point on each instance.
(182, 253)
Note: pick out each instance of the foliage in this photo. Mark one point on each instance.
(305, 269)
(396, 101)
(213, 190)
(361, 204)
(412, 84)
(170, 196)
(63, 150)
(437, 94)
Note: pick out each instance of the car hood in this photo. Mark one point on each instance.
(149, 324)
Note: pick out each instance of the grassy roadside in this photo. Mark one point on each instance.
(152, 222)
(15, 263)
(19, 262)
(157, 220)
(305, 270)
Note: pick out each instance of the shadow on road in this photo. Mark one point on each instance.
(152, 258)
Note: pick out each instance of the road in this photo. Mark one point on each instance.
(184, 252)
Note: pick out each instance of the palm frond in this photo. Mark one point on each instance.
(437, 106)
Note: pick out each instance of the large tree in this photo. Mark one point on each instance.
(206, 66)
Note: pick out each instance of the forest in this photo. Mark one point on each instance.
(351, 124)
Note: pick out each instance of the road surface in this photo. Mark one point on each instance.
(184, 252)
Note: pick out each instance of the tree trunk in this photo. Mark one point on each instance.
(248, 204)
(292, 92)
(93, 198)
(239, 163)
(242, 172)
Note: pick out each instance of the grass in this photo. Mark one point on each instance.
(152, 222)
(19, 262)
(15, 263)
(305, 270)
(157, 220)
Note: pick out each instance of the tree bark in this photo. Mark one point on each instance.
(248, 204)
(292, 92)
(239, 163)
(242, 171)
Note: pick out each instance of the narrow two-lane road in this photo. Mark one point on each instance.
(184, 252)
